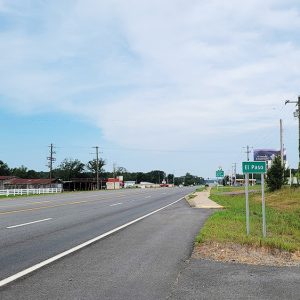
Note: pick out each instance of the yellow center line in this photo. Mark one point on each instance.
(28, 203)
(39, 202)
(57, 205)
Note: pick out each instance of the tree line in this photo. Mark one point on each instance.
(74, 168)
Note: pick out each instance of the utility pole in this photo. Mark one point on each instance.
(248, 151)
(297, 114)
(281, 143)
(97, 166)
(51, 159)
(234, 174)
(247, 195)
(114, 170)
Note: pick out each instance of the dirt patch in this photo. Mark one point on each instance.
(245, 254)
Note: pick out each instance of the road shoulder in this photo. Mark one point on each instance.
(205, 279)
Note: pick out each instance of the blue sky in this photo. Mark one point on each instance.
(173, 85)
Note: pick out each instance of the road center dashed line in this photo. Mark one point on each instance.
(74, 249)
(29, 223)
(116, 204)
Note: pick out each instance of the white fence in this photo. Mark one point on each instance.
(16, 192)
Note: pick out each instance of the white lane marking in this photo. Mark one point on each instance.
(116, 204)
(148, 197)
(38, 221)
(74, 249)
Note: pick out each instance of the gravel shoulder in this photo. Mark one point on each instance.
(245, 254)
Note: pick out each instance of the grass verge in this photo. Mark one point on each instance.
(229, 225)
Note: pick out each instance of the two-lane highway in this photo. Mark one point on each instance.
(35, 229)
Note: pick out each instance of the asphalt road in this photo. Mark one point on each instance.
(149, 259)
(140, 262)
(34, 229)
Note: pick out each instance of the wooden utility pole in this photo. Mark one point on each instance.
(281, 143)
(114, 171)
(51, 159)
(297, 115)
(248, 151)
(97, 167)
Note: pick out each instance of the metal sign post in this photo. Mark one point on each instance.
(219, 174)
(255, 167)
(263, 205)
(247, 203)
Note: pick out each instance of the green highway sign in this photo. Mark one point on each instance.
(254, 167)
(220, 173)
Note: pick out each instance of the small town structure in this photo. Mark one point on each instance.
(4, 180)
(22, 183)
(145, 184)
(84, 184)
(114, 184)
(242, 181)
(11, 185)
(129, 184)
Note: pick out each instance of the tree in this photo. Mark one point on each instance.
(275, 175)
(20, 172)
(120, 171)
(189, 179)
(70, 168)
(170, 178)
(92, 165)
(32, 174)
(155, 176)
(179, 180)
(4, 169)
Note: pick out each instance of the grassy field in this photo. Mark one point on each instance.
(282, 214)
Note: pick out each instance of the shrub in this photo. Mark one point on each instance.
(275, 175)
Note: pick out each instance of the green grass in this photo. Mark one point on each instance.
(22, 196)
(200, 189)
(222, 189)
(282, 215)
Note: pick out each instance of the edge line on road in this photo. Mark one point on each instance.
(48, 261)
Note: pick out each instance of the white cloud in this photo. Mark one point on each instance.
(154, 71)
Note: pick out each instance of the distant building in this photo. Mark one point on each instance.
(84, 184)
(145, 184)
(211, 182)
(241, 181)
(113, 184)
(4, 180)
(129, 184)
(22, 183)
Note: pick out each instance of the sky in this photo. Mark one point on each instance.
(180, 86)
